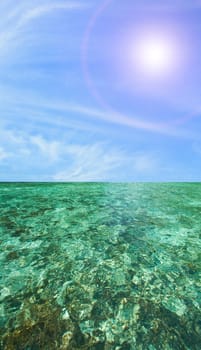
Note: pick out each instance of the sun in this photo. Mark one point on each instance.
(154, 56)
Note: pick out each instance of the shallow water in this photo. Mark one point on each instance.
(100, 266)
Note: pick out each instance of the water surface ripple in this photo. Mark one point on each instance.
(100, 266)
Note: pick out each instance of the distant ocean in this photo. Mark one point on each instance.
(100, 266)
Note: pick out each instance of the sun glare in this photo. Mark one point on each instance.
(154, 56)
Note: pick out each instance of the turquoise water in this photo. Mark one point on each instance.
(100, 266)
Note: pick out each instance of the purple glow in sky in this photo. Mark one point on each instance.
(138, 57)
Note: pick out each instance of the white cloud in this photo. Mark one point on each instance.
(12, 137)
(100, 163)
(51, 149)
(42, 10)
(35, 108)
(23, 145)
(64, 160)
(92, 163)
(3, 154)
(16, 17)
(16, 142)
(120, 119)
(104, 115)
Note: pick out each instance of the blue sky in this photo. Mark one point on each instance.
(75, 105)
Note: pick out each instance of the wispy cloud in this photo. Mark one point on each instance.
(37, 108)
(169, 129)
(23, 101)
(21, 144)
(3, 154)
(51, 150)
(99, 162)
(75, 162)
(69, 160)
(21, 15)
(94, 162)
(42, 10)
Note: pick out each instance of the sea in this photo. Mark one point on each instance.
(100, 266)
